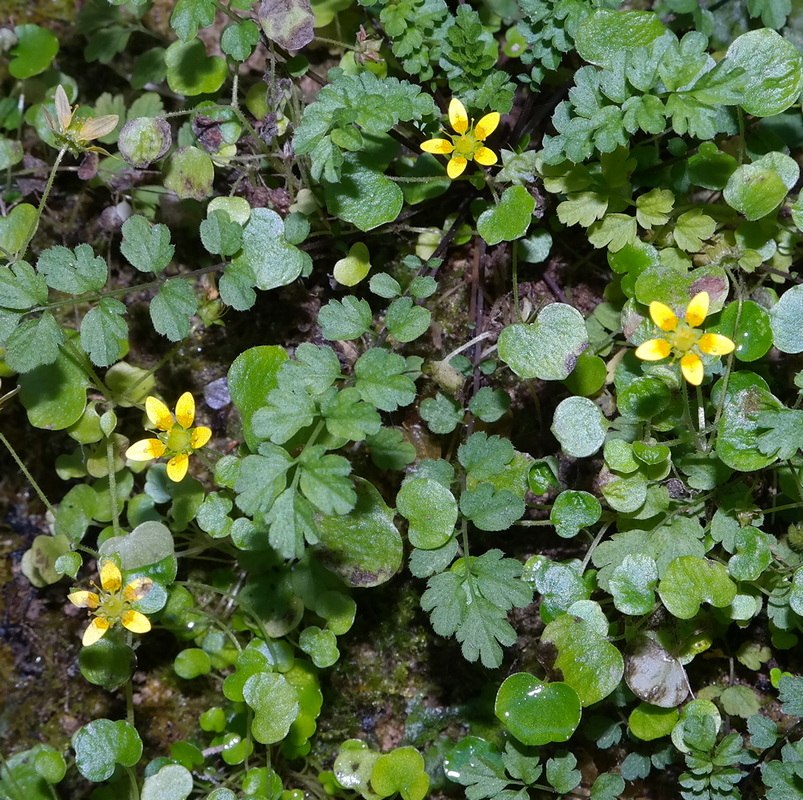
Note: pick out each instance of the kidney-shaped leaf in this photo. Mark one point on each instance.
(101, 744)
(690, 581)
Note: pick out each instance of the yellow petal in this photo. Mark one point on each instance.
(697, 310)
(715, 344)
(441, 147)
(177, 467)
(200, 436)
(455, 167)
(84, 599)
(653, 350)
(185, 410)
(95, 631)
(137, 589)
(486, 126)
(458, 118)
(485, 156)
(145, 450)
(111, 579)
(136, 622)
(692, 368)
(663, 316)
(159, 414)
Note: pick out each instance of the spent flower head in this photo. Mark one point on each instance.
(466, 142)
(75, 133)
(178, 439)
(111, 603)
(684, 339)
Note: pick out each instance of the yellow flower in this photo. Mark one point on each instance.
(466, 145)
(686, 341)
(74, 134)
(178, 438)
(112, 603)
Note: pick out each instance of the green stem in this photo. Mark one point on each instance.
(133, 786)
(31, 233)
(515, 270)
(113, 499)
(28, 475)
(597, 539)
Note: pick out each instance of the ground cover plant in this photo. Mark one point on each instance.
(402, 400)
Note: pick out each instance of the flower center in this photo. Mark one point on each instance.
(178, 440)
(684, 338)
(466, 145)
(112, 607)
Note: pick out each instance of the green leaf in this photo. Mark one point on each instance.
(171, 782)
(614, 231)
(36, 47)
(347, 416)
(737, 431)
(785, 316)
(34, 343)
(537, 713)
(431, 511)
(10, 152)
(572, 511)
(654, 207)
(220, 234)
(772, 77)
(489, 405)
(189, 173)
(491, 509)
(20, 287)
(239, 39)
(364, 547)
(191, 663)
(71, 271)
(692, 228)
(485, 457)
(363, 196)
(548, 348)
(190, 71)
(172, 307)
(608, 786)
(476, 611)
(790, 690)
(785, 435)
(353, 268)
(590, 664)
(561, 773)
(690, 581)
(509, 219)
(755, 190)
(314, 369)
(739, 701)
(385, 286)
(283, 416)
(648, 722)
(476, 764)
(275, 702)
(261, 478)
(763, 732)
(267, 253)
(401, 770)
(405, 321)
(380, 378)
(251, 378)
(15, 228)
(389, 449)
(319, 645)
(441, 413)
(633, 583)
(189, 15)
(345, 320)
(579, 426)
(102, 744)
(324, 482)
(102, 330)
(604, 33)
(752, 333)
